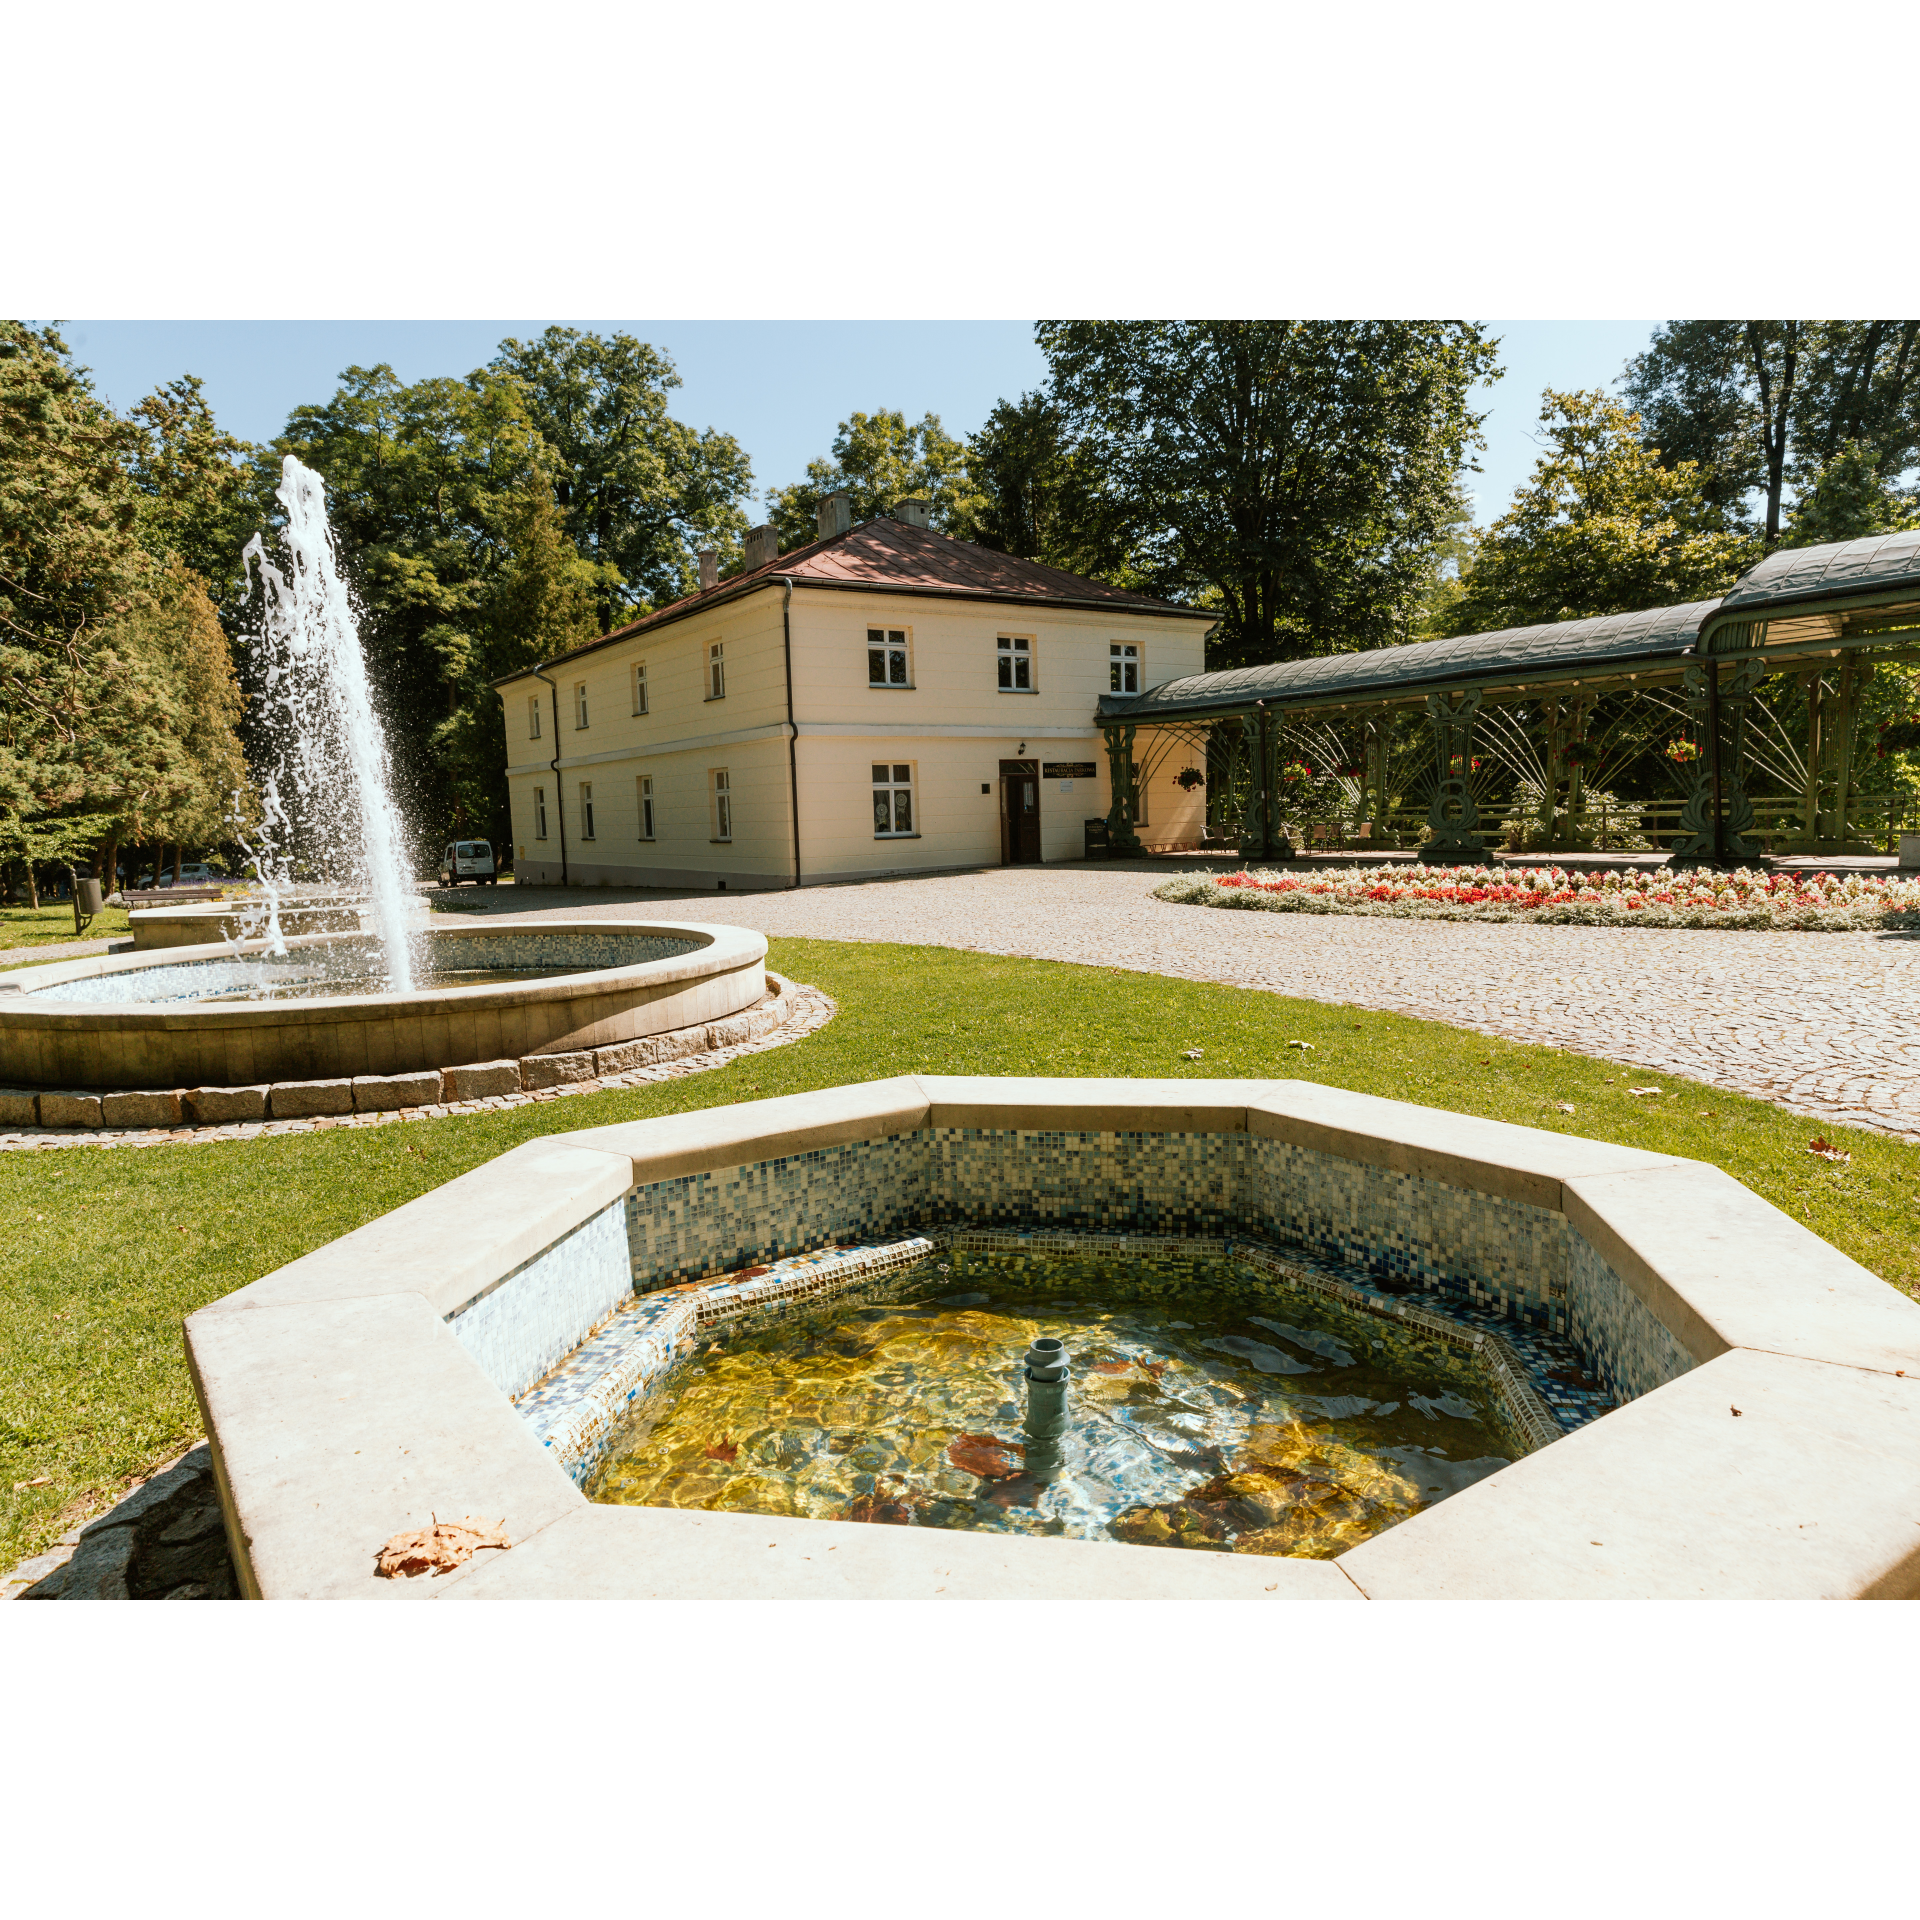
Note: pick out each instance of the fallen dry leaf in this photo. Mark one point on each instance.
(986, 1455)
(45, 1480)
(1563, 1106)
(1641, 1093)
(1192, 1053)
(1826, 1150)
(439, 1548)
(724, 1450)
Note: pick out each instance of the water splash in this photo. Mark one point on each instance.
(327, 809)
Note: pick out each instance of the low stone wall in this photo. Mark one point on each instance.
(382, 1093)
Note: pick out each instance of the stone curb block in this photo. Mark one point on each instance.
(19, 1108)
(69, 1109)
(210, 1106)
(539, 1070)
(302, 1099)
(484, 1080)
(141, 1110)
(389, 1092)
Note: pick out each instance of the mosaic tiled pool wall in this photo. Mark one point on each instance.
(1624, 1344)
(529, 1320)
(622, 1281)
(710, 1223)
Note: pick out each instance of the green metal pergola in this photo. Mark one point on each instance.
(1551, 704)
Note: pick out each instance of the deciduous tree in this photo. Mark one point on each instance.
(639, 492)
(1301, 470)
(880, 460)
(1601, 527)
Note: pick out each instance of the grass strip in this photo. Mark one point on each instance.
(108, 1249)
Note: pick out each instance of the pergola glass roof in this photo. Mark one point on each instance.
(1561, 650)
(1853, 591)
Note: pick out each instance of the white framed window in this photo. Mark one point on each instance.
(539, 813)
(586, 809)
(893, 800)
(580, 703)
(1123, 667)
(640, 686)
(533, 718)
(722, 804)
(716, 671)
(889, 661)
(1015, 654)
(1139, 796)
(645, 785)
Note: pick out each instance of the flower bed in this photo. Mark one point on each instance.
(1796, 902)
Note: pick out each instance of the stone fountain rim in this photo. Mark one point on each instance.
(722, 949)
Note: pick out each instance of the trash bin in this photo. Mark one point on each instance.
(89, 897)
(1099, 842)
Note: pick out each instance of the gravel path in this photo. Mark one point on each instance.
(1824, 1024)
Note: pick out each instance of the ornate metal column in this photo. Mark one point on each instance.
(1453, 815)
(1718, 816)
(1121, 837)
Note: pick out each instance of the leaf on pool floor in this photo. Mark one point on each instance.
(439, 1548)
(986, 1454)
(725, 1450)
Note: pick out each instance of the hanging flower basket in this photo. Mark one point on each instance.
(1353, 770)
(1188, 778)
(1576, 753)
(1295, 772)
(1899, 736)
(1680, 752)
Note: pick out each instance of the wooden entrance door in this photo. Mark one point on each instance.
(1019, 812)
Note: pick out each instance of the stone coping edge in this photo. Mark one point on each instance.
(341, 1408)
(721, 949)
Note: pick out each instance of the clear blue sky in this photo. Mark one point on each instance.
(779, 387)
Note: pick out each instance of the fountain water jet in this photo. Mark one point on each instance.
(327, 793)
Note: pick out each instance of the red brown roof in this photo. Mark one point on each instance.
(888, 556)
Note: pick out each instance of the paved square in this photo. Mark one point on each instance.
(1826, 1024)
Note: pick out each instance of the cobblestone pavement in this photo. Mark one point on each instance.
(1825, 1024)
(11, 957)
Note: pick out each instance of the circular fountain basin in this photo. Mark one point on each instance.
(129, 1021)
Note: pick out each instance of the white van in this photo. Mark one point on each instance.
(468, 860)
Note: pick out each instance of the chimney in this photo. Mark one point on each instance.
(833, 515)
(763, 546)
(709, 568)
(911, 513)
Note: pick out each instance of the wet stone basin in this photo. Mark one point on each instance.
(1223, 1417)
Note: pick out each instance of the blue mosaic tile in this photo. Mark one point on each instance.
(1630, 1350)
(533, 1317)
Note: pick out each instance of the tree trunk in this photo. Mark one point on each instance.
(179, 860)
(110, 869)
(33, 885)
(1773, 412)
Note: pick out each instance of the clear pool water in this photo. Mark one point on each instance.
(1217, 1418)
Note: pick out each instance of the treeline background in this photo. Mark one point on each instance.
(1305, 480)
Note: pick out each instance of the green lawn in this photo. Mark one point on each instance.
(47, 926)
(107, 1250)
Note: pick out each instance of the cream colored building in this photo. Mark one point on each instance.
(884, 701)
